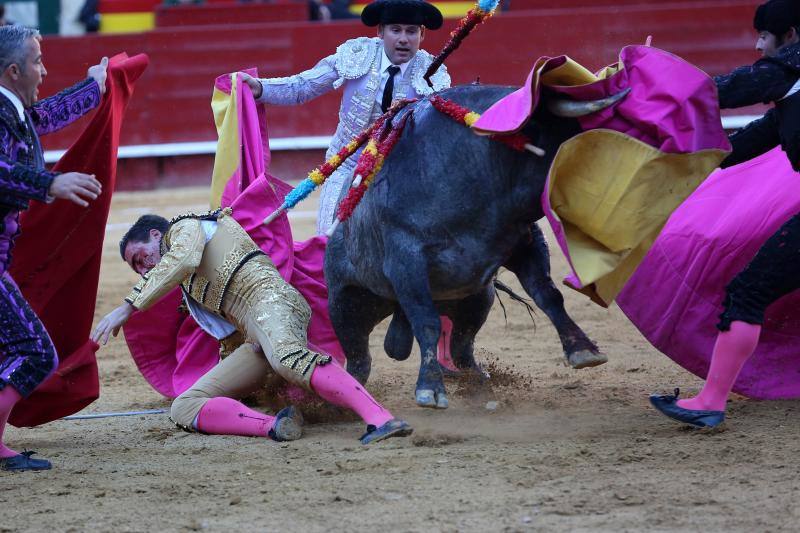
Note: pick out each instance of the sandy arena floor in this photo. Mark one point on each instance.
(565, 449)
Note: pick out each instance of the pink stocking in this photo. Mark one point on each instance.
(225, 416)
(732, 349)
(338, 387)
(443, 354)
(8, 398)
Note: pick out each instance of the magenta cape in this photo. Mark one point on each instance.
(169, 348)
(57, 257)
(611, 188)
(672, 105)
(675, 296)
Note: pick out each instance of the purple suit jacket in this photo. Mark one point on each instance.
(22, 174)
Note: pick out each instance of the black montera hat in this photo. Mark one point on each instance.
(415, 12)
(777, 16)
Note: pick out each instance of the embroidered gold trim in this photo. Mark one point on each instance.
(241, 252)
(304, 359)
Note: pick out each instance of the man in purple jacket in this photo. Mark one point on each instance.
(27, 355)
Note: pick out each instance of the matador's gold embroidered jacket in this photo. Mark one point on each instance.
(203, 269)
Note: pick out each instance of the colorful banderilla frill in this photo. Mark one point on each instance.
(480, 13)
(380, 145)
(318, 176)
(462, 115)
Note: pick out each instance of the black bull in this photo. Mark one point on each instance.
(447, 210)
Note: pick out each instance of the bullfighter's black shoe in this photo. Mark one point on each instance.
(668, 405)
(23, 461)
(393, 428)
(288, 425)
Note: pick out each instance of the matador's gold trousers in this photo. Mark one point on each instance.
(271, 314)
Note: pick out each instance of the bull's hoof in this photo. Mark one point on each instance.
(428, 398)
(586, 359)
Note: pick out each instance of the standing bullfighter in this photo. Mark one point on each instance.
(772, 273)
(27, 355)
(374, 72)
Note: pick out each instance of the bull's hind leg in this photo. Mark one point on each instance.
(530, 261)
(409, 278)
(355, 311)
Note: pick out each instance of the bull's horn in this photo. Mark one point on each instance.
(534, 149)
(574, 108)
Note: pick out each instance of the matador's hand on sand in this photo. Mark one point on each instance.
(112, 322)
(254, 84)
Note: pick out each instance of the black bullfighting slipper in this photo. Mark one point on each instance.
(288, 425)
(23, 461)
(393, 428)
(668, 405)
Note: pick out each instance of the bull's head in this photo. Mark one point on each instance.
(575, 108)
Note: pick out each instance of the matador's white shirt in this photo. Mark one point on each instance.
(360, 67)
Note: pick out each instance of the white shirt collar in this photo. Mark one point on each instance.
(386, 63)
(17, 102)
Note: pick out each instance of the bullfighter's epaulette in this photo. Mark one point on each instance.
(212, 215)
(208, 215)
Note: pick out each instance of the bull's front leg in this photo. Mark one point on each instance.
(409, 279)
(354, 312)
(530, 261)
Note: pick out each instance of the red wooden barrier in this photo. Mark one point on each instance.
(230, 13)
(172, 100)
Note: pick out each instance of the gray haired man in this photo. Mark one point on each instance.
(27, 355)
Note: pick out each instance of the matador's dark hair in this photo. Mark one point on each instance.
(140, 231)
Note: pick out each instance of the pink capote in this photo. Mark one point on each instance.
(169, 348)
(672, 106)
(676, 295)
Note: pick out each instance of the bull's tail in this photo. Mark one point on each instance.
(499, 286)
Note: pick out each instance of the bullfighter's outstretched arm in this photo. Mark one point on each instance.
(62, 109)
(765, 81)
(185, 241)
(302, 87)
(758, 137)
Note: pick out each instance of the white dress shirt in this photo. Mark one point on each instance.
(214, 325)
(16, 101)
(385, 64)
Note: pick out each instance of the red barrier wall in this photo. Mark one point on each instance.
(172, 101)
(230, 13)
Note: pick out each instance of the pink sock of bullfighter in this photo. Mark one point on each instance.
(336, 386)
(8, 398)
(443, 354)
(224, 416)
(732, 349)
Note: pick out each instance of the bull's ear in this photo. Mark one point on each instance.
(573, 108)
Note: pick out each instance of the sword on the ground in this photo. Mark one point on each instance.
(109, 415)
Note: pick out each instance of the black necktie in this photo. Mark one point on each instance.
(386, 101)
(25, 126)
